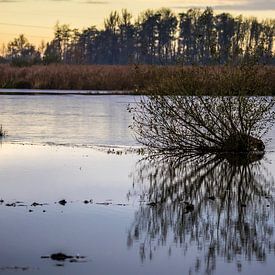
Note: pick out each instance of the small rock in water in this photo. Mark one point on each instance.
(62, 202)
(212, 198)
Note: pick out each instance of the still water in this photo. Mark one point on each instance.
(69, 120)
(212, 216)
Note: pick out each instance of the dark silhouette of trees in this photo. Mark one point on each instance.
(126, 38)
(160, 37)
(21, 53)
(52, 53)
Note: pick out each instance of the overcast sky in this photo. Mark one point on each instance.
(36, 18)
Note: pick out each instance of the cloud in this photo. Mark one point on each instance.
(250, 5)
(242, 5)
(94, 2)
(10, 1)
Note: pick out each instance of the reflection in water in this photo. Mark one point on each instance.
(70, 120)
(222, 207)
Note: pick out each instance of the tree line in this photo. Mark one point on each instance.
(194, 37)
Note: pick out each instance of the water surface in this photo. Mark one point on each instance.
(69, 119)
(200, 215)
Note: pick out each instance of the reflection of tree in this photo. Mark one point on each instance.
(222, 209)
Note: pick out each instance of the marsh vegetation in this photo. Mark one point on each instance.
(144, 79)
(2, 132)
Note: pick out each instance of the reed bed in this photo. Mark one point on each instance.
(143, 79)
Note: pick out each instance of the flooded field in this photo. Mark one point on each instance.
(67, 120)
(70, 204)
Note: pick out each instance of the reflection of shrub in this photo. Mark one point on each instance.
(232, 214)
(203, 124)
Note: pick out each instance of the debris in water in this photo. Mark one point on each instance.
(11, 204)
(18, 268)
(87, 201)
(103, 203)
(121, 204)
(62, 202)
(61, 257)
(37, 204)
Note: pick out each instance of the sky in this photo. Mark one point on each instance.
(36, 18)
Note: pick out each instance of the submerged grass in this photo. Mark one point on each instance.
(144, 79)
(2, 132)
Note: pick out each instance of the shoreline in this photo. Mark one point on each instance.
(64, 92)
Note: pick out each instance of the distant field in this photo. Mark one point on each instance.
(138, 79)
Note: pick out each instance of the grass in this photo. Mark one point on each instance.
(189, 80)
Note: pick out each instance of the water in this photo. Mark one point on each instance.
(229, 231)
(70, 119)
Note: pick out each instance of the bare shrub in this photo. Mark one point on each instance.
(203, 123)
